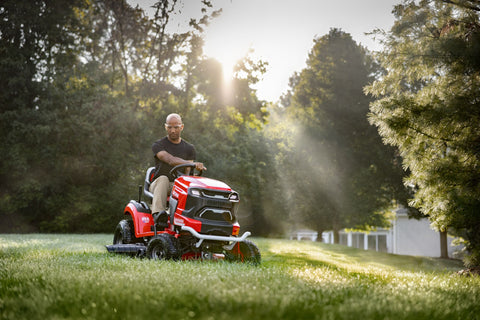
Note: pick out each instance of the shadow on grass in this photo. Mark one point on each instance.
(74, 277)
(338, 257)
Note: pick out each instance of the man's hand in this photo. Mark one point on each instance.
(200, 167)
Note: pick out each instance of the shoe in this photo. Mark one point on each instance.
(161, 219)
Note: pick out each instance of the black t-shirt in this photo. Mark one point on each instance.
(182, 150)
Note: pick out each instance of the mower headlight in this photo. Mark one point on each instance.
(195, 192)
(233, 196)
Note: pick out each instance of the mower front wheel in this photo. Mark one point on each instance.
(161, 247)
(124, 233)
(245, 251)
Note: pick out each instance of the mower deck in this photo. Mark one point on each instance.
(138, 249)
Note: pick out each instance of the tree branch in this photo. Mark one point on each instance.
(465, 4)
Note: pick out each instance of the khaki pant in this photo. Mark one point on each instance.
(161, 188)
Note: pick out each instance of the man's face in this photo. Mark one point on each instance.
(174, 128)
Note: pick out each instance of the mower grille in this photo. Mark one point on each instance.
(217, 203)
(207, 204)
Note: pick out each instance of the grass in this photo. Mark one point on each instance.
(73, 277)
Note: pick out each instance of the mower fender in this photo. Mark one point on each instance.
(202, 237)
(142, 218)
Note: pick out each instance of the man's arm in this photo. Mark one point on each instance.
(175, 161)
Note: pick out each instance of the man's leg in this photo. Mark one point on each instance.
(160, 189)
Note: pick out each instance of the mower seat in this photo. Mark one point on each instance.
(148, 181)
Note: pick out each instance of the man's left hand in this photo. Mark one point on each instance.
(200, 167)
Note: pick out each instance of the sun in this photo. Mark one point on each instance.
(227, 57)
(228, 46)
(228, 65)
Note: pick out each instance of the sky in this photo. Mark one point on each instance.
(281, 32)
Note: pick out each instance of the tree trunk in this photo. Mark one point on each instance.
(320, 232)
(336, 236)
(443, 245)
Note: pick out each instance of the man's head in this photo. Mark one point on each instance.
(174, 127)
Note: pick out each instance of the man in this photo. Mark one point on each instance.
(169, 152)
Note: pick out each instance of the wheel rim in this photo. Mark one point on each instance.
(158, 253)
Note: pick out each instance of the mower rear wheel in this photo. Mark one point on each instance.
(245, 251)
(162, 247)
(124, 233)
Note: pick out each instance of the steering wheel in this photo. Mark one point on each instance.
(175, 172)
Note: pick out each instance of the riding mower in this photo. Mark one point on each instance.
(200, 222)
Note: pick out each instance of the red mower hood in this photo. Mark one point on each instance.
(201, 182)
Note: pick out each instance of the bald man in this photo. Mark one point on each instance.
(170, 151)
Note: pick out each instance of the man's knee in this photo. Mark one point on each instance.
(161, 182)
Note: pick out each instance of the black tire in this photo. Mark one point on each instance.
(124, 232)
(176, 252)
(162, 247)
(246, 252)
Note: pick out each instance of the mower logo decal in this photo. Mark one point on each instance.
(179, 222)
(145, 220)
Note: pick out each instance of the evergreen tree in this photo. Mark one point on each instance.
(428, 107)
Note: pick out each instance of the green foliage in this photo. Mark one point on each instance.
(427, 106)
(72, 276)
(35, 47)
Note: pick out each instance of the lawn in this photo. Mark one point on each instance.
(73, 277)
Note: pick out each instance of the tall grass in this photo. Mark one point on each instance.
(73, 277)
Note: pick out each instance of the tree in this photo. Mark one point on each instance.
(427, 106)
(341, 173)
